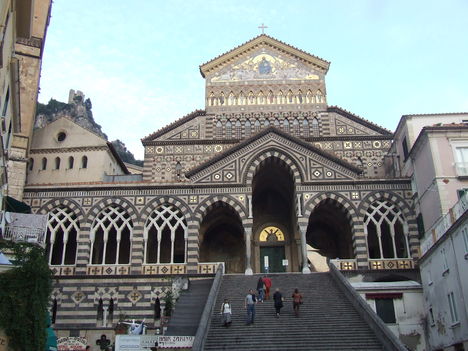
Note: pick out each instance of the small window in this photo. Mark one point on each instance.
(71, 162)
(444, 260)
(84, 162)
(385, 310)
(61, 136)
(44, 163)
(453, 308)
(31, 164)
(57, 163)
(431, 316)
(404, 145)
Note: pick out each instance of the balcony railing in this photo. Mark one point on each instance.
(25, 227)
(444, 223)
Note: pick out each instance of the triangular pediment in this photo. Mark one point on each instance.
(280, 58)
(311, 163)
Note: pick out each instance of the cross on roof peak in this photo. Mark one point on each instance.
(262, 27)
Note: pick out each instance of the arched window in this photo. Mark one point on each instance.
(257, 126)
(241, 98)
(165, 235)
(281, 99)
(266, 123)
(276, 123)
(31, 164)
(111, 237)
(300, 97)
(231, 99)
(228, 129)
(286, 125)
(211, 99)
(219, 129)
(310, 97)
(84, 162)
(296, 127)
(248, 129)
(261, 98)
(54, 312)
(44, 163)
(57, 163)
(270, 98)
(290, 97)
(222, 99)
(315, 128)
(305, 127)
(386, 231)
(238, 130)
(251, 98)
(71, 162)
(62, 234)
(319, 97)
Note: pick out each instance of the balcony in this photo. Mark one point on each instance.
(20, 227)
(444, 223)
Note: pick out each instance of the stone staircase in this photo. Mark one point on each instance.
(189, 308)
(327, 319)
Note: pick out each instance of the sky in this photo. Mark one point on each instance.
(138, 61)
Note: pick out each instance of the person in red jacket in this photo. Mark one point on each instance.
(297, 301)
(267, 282)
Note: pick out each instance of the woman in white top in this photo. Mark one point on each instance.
(226, 312)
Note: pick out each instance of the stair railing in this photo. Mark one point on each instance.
(382, 332)
(202, 331)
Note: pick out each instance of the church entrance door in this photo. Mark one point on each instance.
(271, 258)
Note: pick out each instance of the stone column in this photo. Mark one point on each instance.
(248, 250)
(303, 230)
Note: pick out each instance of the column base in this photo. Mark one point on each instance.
(249, 271)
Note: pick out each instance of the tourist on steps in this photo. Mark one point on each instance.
(297, 301)
(278, 299)
(226, 313)
(260, 289)
(267, 282)
(249, 304)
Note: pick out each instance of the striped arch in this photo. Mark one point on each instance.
(123, 203)
(258, 160)
(176, 202)
(310, 205)
(389, 196)
(204, 207)
(61, 202)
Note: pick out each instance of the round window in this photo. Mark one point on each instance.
(61, 136)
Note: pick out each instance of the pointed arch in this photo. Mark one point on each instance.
(296, 127)
(319, 97)
(300, 97)
(248, 128)
(256, 161)
(271, 98)
(305, 127)
(310, 99)
(315, 127)
(111, 236)
(291, 99)
(251, 98)
(231, 99)
(226, 200)
(222, 99)
(242, 100)
(165, 235)
(281, 98)
(238, 129)
(219, 129)
(261, 98)
(286, 125)
(257, 126)
(228, 129)
(211, 99)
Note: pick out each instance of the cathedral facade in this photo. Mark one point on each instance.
(267, 172)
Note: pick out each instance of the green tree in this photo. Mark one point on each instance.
(24, 295)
